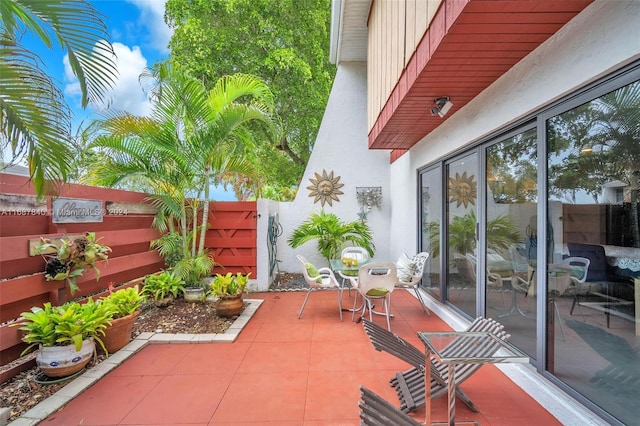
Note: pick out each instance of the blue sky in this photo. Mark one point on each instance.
(140, 38)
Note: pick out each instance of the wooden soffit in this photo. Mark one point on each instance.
(468, 45)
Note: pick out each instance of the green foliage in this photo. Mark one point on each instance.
(288, 50)
(72, 258)
(462, 233)
(124, 302)
(68, 324)
(162, 285)
(193, 269)
(169, 247)
(195, 136)
(332, 234)
(36, 121)
(597, 143)
(501, 233)
(229, 284)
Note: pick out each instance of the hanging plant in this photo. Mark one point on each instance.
(71, 258)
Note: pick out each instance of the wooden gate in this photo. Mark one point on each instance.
(232, 236)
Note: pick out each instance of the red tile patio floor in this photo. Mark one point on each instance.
(283, 371)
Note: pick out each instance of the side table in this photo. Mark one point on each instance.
(463, 347)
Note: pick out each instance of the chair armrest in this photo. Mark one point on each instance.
(494, 280)
(325, 271)
(520, 284)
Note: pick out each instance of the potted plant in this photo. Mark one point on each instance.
(502, 232)
(332, 234)
(227, 293)
(163, 288)
(65, 335)
(72, 257)
(124, 306)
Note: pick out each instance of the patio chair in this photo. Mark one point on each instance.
(520, 262)
(376, 280)
(579, 274)
(409, 385)
(376, 411)
(560, 277)
(358, 253)
(318, 279)
(466, 266)
(410, 272)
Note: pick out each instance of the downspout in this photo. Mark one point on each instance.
(336, 27)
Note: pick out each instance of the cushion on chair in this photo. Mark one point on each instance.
(577, 271)
(377, 292)
(313, 271)
(350, 272)
(596, 255)
(406, 268)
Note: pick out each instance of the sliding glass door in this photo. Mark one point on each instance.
(593, 330)
(573, 168)
(461, 232)
(511, 236)
(430, 218)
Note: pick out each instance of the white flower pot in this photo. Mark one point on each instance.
(60, 361)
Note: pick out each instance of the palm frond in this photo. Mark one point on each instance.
(79, 28)
(34, 118)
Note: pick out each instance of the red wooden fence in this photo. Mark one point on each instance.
(232, 236)
(126, 228)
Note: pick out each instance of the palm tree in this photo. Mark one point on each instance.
(332, 234)
(192, 137)
(34, 117)
(617, 120)
(501, 233)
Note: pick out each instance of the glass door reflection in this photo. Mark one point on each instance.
(511, 241)
(461, 205)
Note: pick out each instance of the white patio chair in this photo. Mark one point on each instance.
(318, 279)
(579, 274)
(376, 280)
(360, 254)
(410, 272)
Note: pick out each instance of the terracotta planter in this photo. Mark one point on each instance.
(61, 361)
(229, 306)
(118, 334)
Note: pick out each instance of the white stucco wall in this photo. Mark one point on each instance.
(341, 147)
(601, 39)
(588, 47)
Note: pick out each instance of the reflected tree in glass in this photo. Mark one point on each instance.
(595, 144)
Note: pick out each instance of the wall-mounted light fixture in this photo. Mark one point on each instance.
(443, 105)
(368, 197)
(587, 149)
(592, 148)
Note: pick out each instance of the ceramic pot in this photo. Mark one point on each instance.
(229, 306)
(61, 361)
(118, 334)
(194, 294)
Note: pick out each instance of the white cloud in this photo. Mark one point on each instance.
(149, 34)
(127, 95)
(152, 19)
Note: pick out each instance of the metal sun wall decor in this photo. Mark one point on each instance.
(368, 197)
(463, 190)
(325, 188)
